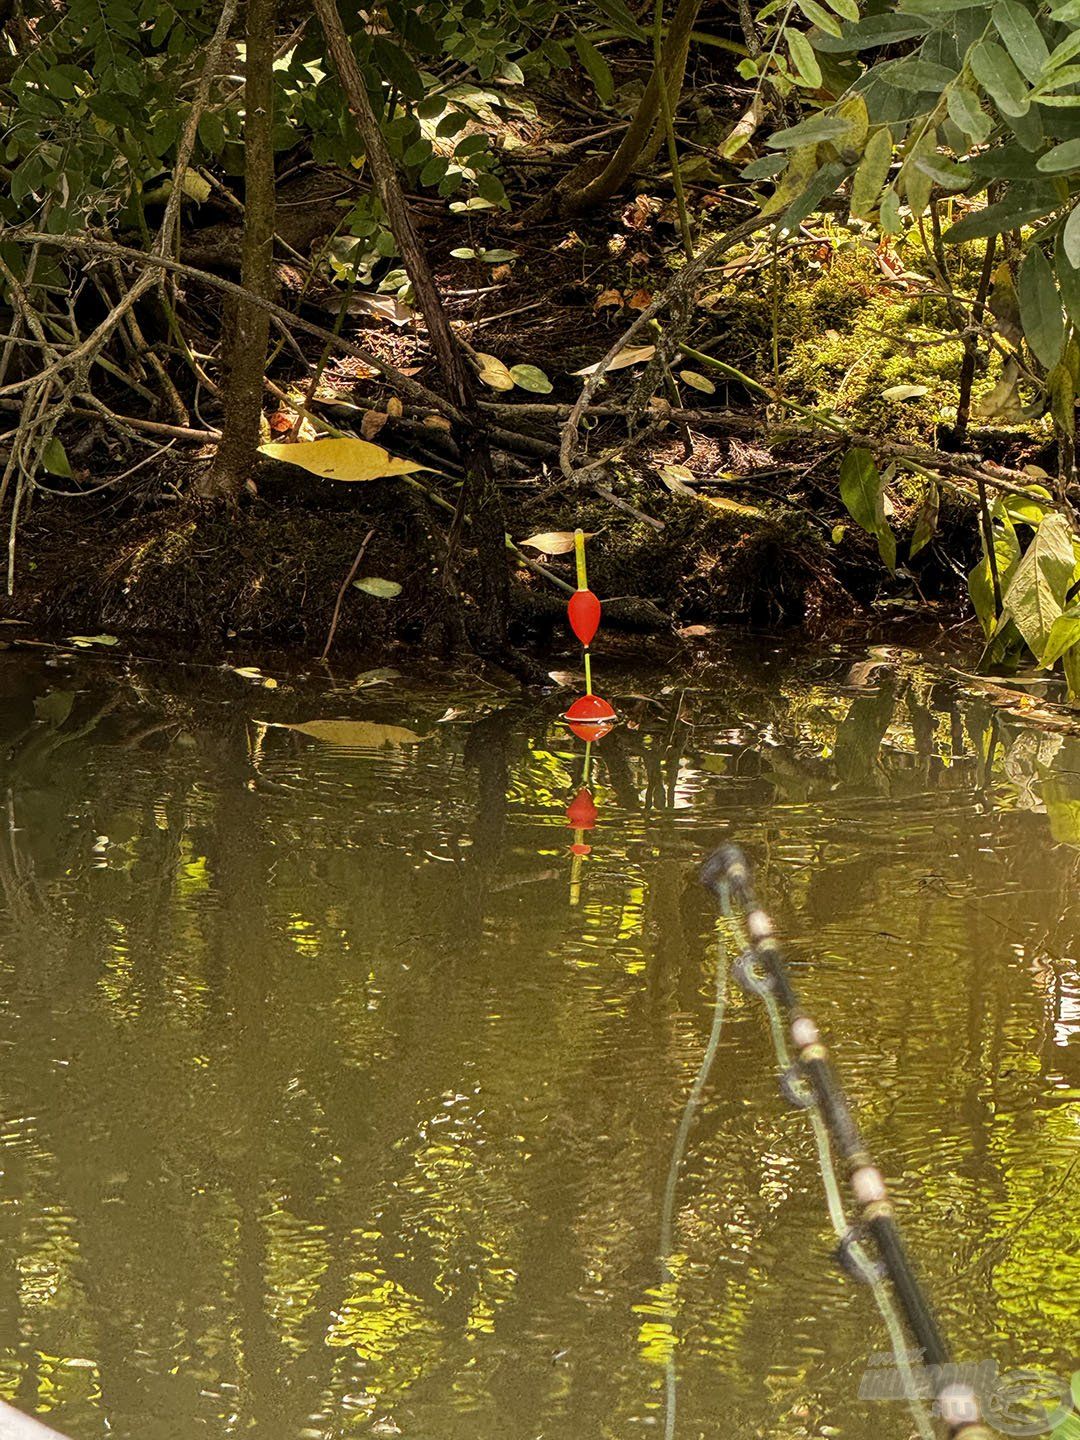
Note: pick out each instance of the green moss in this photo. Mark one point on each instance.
(844, 331)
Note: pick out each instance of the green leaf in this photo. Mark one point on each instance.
(876, 30)
(860, 489)
(1060, 158)
(532, 378)
(452, 124)
(917, 74)
(1022, 36)
(1063, 53)
(992, 220)
(375, 585)
(212, 131)
(1070, 663)
(83, 642)
(824, 183)
(434, 172)
(926, 521)
(967, 114)
(418, 153)
(1000, 78)
(872, 173)
(942, 171)
(1064, 634)
(1035, 595)
(1040, 308)
(819, 16)
(846, 9)
(490, 187)
(803, 58)
(596, 67)
(54, 458)
(763, 168)
(397, 67)
(889, 212)
(1070, 237)
(809, 132)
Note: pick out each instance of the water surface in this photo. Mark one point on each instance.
(333, 1102)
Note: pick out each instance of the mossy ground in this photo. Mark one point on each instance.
(832, 325)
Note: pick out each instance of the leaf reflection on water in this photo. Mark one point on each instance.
(321, 1109)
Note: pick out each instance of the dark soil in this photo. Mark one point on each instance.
(758, 543)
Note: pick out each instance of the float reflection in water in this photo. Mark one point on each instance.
(590, 717)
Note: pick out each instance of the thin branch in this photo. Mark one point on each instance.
(341, 593)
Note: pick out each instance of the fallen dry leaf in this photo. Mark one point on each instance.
(632, 355)
(342, 459)
(372, 423)
(608, 299)
(640, 300)
(356, 734)
(554, 542)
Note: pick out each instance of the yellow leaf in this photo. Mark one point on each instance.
(632, 355)
(356, 734)
(342, 459)
(494, 373)
(194, 186)
(554, 542)
(697, 382)
(722, 503)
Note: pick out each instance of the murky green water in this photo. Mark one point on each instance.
(324, 1111)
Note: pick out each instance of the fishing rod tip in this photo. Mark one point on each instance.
(726, 864)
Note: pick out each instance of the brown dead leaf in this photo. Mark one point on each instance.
(554, 542)
(436, 422)
(640, 211)
(631, 355)
(356, 734)
(607, 299)
(372, 423)
(640, 300)
(280, 422)
(394, 407)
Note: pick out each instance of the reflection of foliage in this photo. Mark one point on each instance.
(301, 1099)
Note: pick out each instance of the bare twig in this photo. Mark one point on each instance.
(341, 593)
(402, 383)
(680, 286)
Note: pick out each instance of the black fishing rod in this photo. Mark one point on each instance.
(727, 874)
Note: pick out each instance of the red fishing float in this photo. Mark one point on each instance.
(581, 812)
(584, 613)
(590, 717)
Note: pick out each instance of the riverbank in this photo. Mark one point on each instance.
(726, 550)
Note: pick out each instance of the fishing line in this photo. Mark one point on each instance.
(812, 1083)
(854, 1250)
(693, 1100)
